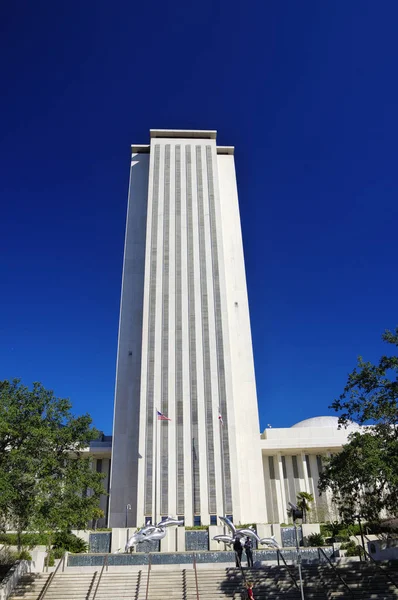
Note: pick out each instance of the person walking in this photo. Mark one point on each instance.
(238, 551)
(249, 587)
(249, 551)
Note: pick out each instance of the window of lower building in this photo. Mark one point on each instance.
(231, 518)
(271, 467)
(295, 467)
(196, 521)
(181, 518)
(213, 519)
(148, 520)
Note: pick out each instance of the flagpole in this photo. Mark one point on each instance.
(156, 467)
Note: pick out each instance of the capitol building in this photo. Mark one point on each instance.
(186, 436)
(291, 458)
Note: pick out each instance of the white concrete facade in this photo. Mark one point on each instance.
(292, 460)
(292, 463)
(184, 343)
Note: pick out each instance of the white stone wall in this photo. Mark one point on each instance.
(248, 491)
(307, 446)
(125, 453)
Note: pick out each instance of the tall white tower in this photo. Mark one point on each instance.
(185, 344)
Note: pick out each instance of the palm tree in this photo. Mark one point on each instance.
(304, 500)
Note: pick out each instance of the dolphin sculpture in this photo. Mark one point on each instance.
(152, 532)
(229, 524)
(246, 532)
(170, 522)
(271, 542)
(224, 539)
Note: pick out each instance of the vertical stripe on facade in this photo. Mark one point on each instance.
(192, 339)
(219, 336)
(211, 475)
(179, 405)
(149, 470)
(164, 431)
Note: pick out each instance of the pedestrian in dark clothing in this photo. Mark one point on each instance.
(249, 551)
(238, 551)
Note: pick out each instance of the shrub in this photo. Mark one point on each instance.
(27, 539)
(59, 552)
(50, 559)
(315, 539)
(351, 548)
(69, 542)
(24, 555)
(7, 556)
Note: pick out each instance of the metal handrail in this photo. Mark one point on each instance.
(336, 572)
(100, 577)
(149, 572)
(241, 569)
(379, 567)
(279, 554)
(196, 577)
(50, 579)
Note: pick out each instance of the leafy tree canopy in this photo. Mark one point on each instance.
(44, 471)
(363, 477)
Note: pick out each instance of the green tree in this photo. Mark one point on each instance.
(363, 477)
(97, 514)
(44, 469)
(304, 500)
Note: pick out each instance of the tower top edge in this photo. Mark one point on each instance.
(209, 134)
(145, 149)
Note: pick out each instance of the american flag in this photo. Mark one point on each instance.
(162, 417)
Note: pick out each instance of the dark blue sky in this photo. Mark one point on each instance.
(308, 94)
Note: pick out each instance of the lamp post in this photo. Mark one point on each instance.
(361, 533)
(128, 507)
(297, 514)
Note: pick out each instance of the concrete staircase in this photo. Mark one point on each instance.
(272, 582)
(321, 582)
(29, 586)
(119, 586)
(163, 584)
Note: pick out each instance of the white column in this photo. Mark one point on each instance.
(283, 506)
(172, 500)
(158, 337)
(305, 473)
(185, 354)
(199, 347)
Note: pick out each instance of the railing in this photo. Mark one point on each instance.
(149, 573)
(321, 551)
(51, 578)
(196, 577)
(100, 577)
(280, 555)
(239, 562)
(379, 567)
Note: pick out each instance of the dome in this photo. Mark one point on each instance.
(319, 422)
